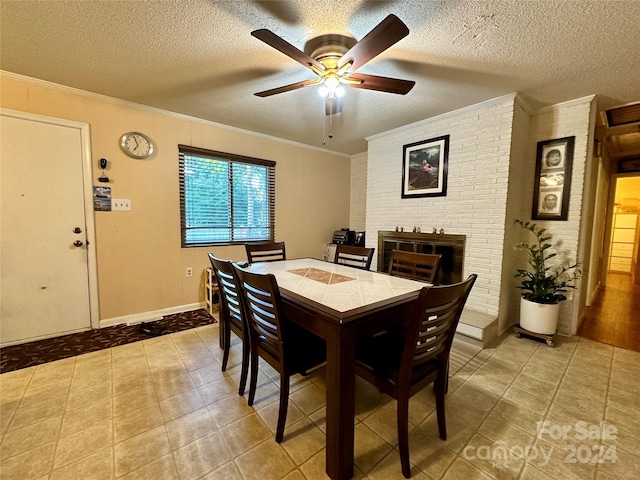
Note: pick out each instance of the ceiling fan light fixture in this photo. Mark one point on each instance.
(331, 81)
(323, 91)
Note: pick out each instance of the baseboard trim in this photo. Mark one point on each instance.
(149, 316)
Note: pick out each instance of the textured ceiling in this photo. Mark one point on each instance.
(198, 57)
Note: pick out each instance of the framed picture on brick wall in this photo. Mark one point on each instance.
(552, 187)
(424, 168)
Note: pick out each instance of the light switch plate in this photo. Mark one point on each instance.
(120, 204)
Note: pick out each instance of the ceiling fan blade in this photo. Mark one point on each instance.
(382, 84)
(332, 105)
(285, 47)
(288, 88)
(391, 30)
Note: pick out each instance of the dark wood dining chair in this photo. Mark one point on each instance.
(265, 252)
(285, 346)
(417, 266)
(232, 317)
(403, 361)
(358, 257)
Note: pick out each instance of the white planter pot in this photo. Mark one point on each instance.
(539, 317)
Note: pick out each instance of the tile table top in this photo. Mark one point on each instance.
(322, 276)
(337, 287)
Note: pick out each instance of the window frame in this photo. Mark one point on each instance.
(231, 158)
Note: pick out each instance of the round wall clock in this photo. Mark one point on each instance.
(136, 145)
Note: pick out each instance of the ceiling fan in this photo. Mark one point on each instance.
(335, 59)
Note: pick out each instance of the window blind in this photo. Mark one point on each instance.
(225, 198)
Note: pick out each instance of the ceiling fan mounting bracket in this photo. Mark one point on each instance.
(328, 46)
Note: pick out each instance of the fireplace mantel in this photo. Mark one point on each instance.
(451, 247)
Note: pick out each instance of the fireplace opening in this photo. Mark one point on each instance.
(451, 247)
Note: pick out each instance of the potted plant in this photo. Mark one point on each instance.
(544, 286)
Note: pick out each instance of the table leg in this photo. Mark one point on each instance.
(340, 401)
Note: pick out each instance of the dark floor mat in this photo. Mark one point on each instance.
(30, 354)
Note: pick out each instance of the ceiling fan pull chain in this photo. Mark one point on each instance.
(324, 138)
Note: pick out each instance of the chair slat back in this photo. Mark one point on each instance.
(417, 266)
(261, 299)
(265, 252)
(229, 294)
(433, 325)
(358, 257)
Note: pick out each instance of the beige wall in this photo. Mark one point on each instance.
(141, 266)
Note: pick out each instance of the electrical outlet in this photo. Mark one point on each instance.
(120, 204)
(189, 272)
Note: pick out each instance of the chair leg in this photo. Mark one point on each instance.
(440, 387)
(403, 434)
(446, 377)
(245, 364)
(226, 340)
(221, 336)
(284, 405)
(254, 378)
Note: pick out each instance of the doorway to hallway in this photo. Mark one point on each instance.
(613, 317)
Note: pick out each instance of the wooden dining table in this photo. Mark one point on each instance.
(340, 304)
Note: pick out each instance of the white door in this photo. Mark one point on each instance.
(44, 264)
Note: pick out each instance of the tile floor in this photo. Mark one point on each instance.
(162, 409)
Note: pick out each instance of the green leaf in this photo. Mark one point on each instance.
(543, 283)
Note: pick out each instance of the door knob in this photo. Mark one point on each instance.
(77, 230)
(78, 243)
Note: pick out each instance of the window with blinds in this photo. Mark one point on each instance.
(225, 198)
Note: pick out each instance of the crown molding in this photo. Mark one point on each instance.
(568, 103)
